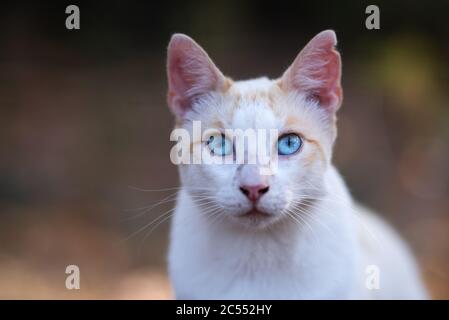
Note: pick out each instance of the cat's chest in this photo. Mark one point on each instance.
(244, 280)
(248, 280)
(263, 270)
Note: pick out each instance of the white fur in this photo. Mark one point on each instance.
(223, 261)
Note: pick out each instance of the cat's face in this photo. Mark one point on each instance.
(300, 106)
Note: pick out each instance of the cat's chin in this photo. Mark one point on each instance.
(254, 218)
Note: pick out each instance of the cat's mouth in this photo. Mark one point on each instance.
(255, 218)
(255, 214)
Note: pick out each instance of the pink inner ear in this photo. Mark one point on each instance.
(325, 85)
(183, 84)
(190, 73)
(316, 71)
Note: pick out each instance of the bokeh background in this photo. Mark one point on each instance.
(84, 128)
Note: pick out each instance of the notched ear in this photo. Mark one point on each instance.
(191, 73)
(316, 72)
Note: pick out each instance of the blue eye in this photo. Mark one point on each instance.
(289, 144)
(219, 145)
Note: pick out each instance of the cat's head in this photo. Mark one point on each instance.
(300, 105)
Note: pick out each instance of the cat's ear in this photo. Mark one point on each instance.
(191, 73)
(316, 72)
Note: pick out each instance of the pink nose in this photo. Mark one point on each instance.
(254, 193)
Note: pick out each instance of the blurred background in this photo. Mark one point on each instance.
(84, 129)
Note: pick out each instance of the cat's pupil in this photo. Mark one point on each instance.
(289, 144)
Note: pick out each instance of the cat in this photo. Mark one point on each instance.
(294, 234)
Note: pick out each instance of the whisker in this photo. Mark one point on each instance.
(353, 211)
(147, 225)
(165, 189)
(312, 216)
(147, 209)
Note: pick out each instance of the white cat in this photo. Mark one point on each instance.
(295, 234)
